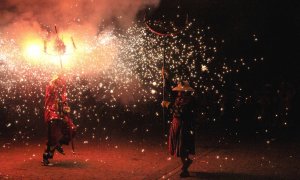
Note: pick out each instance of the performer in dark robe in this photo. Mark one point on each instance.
(61, 129)
(181, 141)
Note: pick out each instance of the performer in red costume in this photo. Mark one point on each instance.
(61, 129)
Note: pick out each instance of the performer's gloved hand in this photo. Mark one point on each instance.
(165, 104)
(164, 73)
(67, 109)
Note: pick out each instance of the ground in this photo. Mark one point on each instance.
(122, 159)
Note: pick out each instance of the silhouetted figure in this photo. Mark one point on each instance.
(181, 141)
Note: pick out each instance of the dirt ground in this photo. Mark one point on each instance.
(123, 159)
(246, 161)
(92, 160)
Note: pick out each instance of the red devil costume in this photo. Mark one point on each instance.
(61, 129)
(181, 141)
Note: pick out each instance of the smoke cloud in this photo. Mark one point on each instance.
(41, 15)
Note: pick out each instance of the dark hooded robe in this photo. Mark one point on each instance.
(181, 140)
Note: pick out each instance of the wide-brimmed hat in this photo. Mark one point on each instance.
(183, 86)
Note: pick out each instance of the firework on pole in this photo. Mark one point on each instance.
(59, 46)
(164, 35)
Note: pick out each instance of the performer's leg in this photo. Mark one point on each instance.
(186, 162)
(54, 135)
(60, 135)
(68, 132)
(66, 137)
(49, 151)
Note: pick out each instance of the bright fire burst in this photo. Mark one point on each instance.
(44, 53)
(33, 51)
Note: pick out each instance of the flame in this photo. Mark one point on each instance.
(34, 51)
(32, 48)
(93, 52)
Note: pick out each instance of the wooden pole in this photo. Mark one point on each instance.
(164, 86)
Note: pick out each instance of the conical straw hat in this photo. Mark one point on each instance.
(183, 86)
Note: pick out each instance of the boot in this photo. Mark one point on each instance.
(186, 164)
(46, 157)
(60, 149)
(185, 173)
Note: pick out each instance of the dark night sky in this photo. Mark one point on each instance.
(275, 23)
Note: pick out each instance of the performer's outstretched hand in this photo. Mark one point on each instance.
(165, 104)
(164, 73)
(67, 109)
